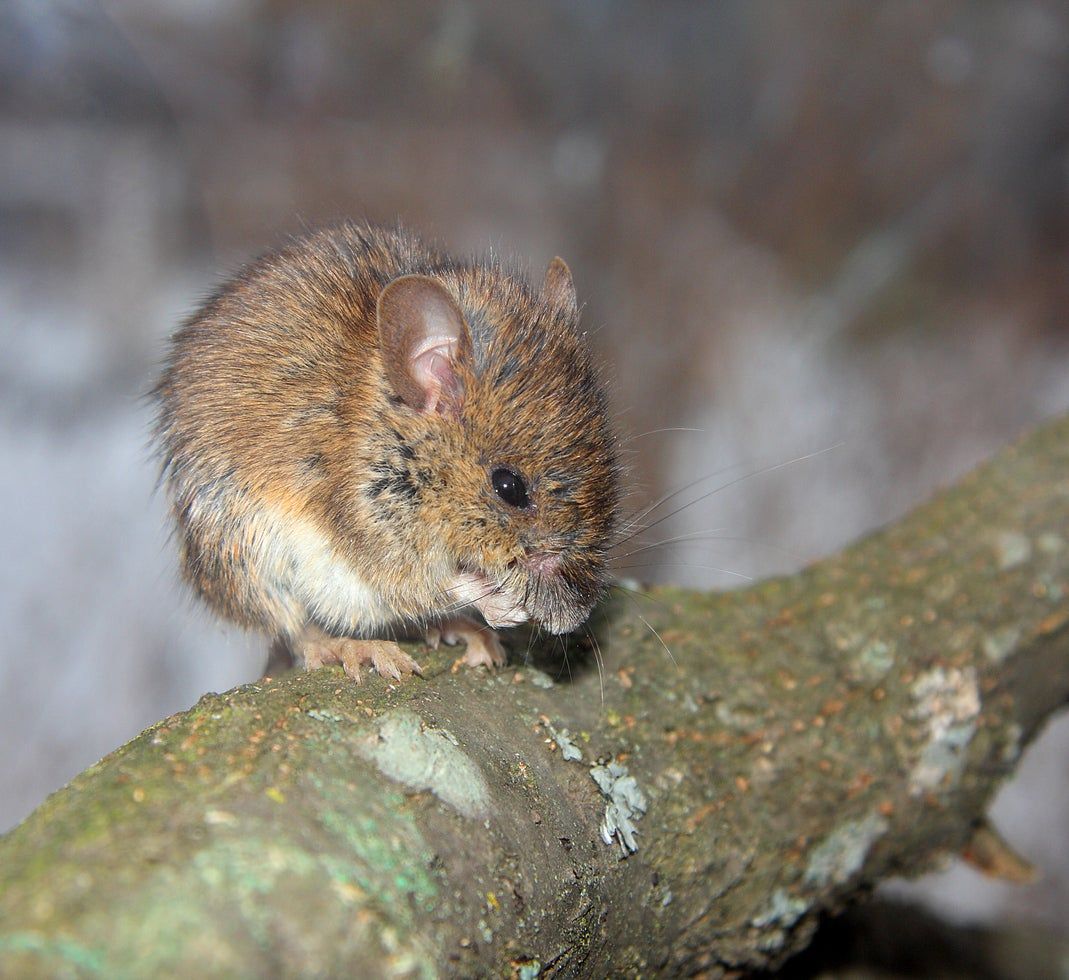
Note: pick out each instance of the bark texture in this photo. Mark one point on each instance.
(809, 737)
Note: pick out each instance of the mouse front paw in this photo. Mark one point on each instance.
(484, 649)
(386, 658)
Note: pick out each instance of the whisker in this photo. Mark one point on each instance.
(758, 542)
(654, 432)
(642, 513)
(658, 635)
(599, 660)
(633, 594)
(530, 642)
(460, 604)
(690, 541)
(705, 496)
(688, 564)
(689, 536)
(565, 665)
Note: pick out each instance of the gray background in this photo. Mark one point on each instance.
(795, 226)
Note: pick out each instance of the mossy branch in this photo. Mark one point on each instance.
(815, 735)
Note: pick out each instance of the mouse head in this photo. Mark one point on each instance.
(523, 484)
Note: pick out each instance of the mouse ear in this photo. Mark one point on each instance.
(423, 337)
(558, 288)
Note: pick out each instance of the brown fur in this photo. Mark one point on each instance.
(277, 423)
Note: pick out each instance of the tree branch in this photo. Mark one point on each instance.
(820, 733)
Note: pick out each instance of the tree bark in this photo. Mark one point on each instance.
(807, 738)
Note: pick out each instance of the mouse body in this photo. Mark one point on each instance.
(361, 437)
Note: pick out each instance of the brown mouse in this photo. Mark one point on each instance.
(361, 436)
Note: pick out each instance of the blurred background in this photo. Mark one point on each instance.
(794, 226)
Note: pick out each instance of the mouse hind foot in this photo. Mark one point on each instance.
(314, 648)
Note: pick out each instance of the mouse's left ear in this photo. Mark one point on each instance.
(558, 288)
(423, 337)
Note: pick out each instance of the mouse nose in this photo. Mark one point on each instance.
(542, 563)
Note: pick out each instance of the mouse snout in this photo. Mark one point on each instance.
(563, 593)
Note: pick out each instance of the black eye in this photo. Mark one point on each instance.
(509, 486)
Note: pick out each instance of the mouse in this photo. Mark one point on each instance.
(363, 439)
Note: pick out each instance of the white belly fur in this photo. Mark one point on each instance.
(300, 561)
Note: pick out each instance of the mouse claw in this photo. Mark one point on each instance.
(388, 659)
